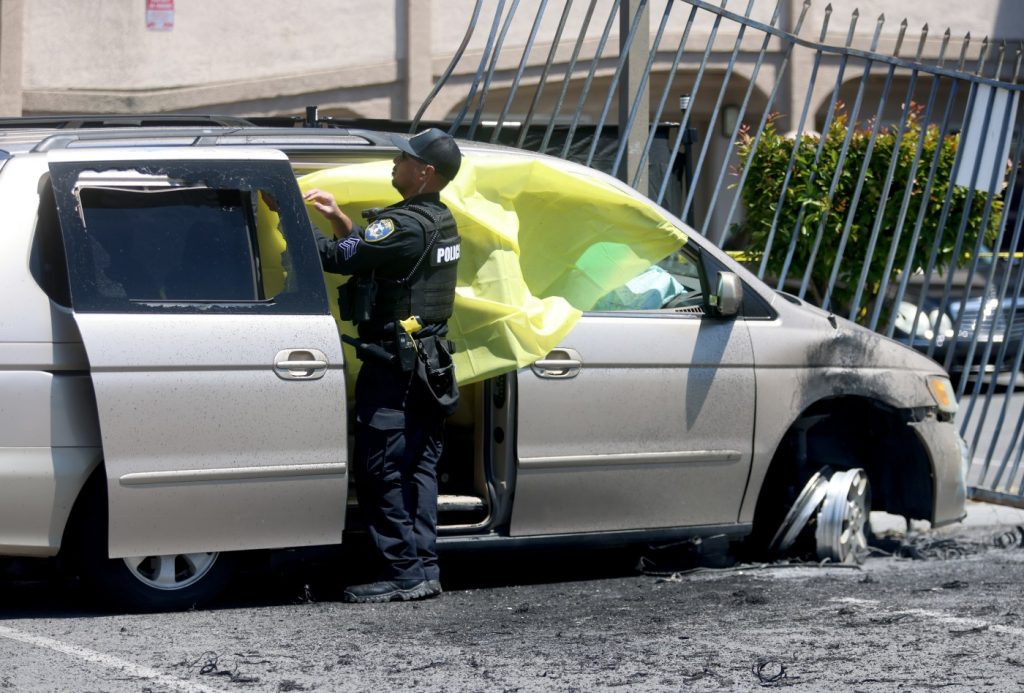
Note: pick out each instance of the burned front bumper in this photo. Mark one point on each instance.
(949, 461)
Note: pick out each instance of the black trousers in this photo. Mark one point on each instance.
(398, 444)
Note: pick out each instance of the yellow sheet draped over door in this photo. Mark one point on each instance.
(540, 244)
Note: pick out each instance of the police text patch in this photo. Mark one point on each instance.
(445, 253)
(379, 230)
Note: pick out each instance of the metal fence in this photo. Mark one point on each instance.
(904, 213)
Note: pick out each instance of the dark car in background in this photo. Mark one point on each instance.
(971, 330)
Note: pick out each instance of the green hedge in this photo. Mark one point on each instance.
(763, 186)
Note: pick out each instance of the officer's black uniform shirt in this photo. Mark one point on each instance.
(390, 256)
(388, 252)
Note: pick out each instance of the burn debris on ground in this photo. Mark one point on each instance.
(769, 671)
(930, 547)
(1010, 539)
(969, 631)
(670, 562)
(208, 664)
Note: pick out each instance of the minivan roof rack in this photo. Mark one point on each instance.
(191, 136)
(79, 122)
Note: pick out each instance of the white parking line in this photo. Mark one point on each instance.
(957, 621)
(105, 660)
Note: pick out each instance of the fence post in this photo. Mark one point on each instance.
(630, 82)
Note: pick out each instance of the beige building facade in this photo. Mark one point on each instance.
(380, 60)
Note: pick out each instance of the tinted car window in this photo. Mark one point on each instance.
(189, 236)
(171, 245)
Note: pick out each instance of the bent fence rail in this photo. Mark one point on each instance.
(882, 181)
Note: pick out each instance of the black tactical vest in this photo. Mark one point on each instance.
(428, 290)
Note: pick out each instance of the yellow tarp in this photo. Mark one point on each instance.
(539, 245)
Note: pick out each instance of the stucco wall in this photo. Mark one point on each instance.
(104, 44)
(992, 18)
(348, 56)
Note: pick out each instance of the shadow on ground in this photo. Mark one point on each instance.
(40, 589)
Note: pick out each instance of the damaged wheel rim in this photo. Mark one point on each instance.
(842, 521)
(803, 510)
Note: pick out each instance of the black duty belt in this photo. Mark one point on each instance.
(392, 351)
(372, 351)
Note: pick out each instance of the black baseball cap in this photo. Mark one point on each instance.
(434, 147)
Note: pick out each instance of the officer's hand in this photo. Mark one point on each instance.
(325, 203)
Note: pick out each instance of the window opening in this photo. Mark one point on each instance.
(155, 244)
(673, 283)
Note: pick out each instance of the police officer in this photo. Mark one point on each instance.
(400, 295)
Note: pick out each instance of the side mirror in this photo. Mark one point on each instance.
(728, 297)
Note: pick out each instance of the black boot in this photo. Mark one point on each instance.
(389, 591)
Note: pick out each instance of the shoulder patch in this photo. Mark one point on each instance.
(379, 230)
(348, 246)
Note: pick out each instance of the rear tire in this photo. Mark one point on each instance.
(174, 582)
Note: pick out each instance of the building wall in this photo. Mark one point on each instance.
(105, 45)
(97, 55)
(349, 56)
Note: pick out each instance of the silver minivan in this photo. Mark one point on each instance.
(169, 405)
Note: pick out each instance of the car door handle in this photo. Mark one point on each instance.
(300, 364)
(559, 363)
